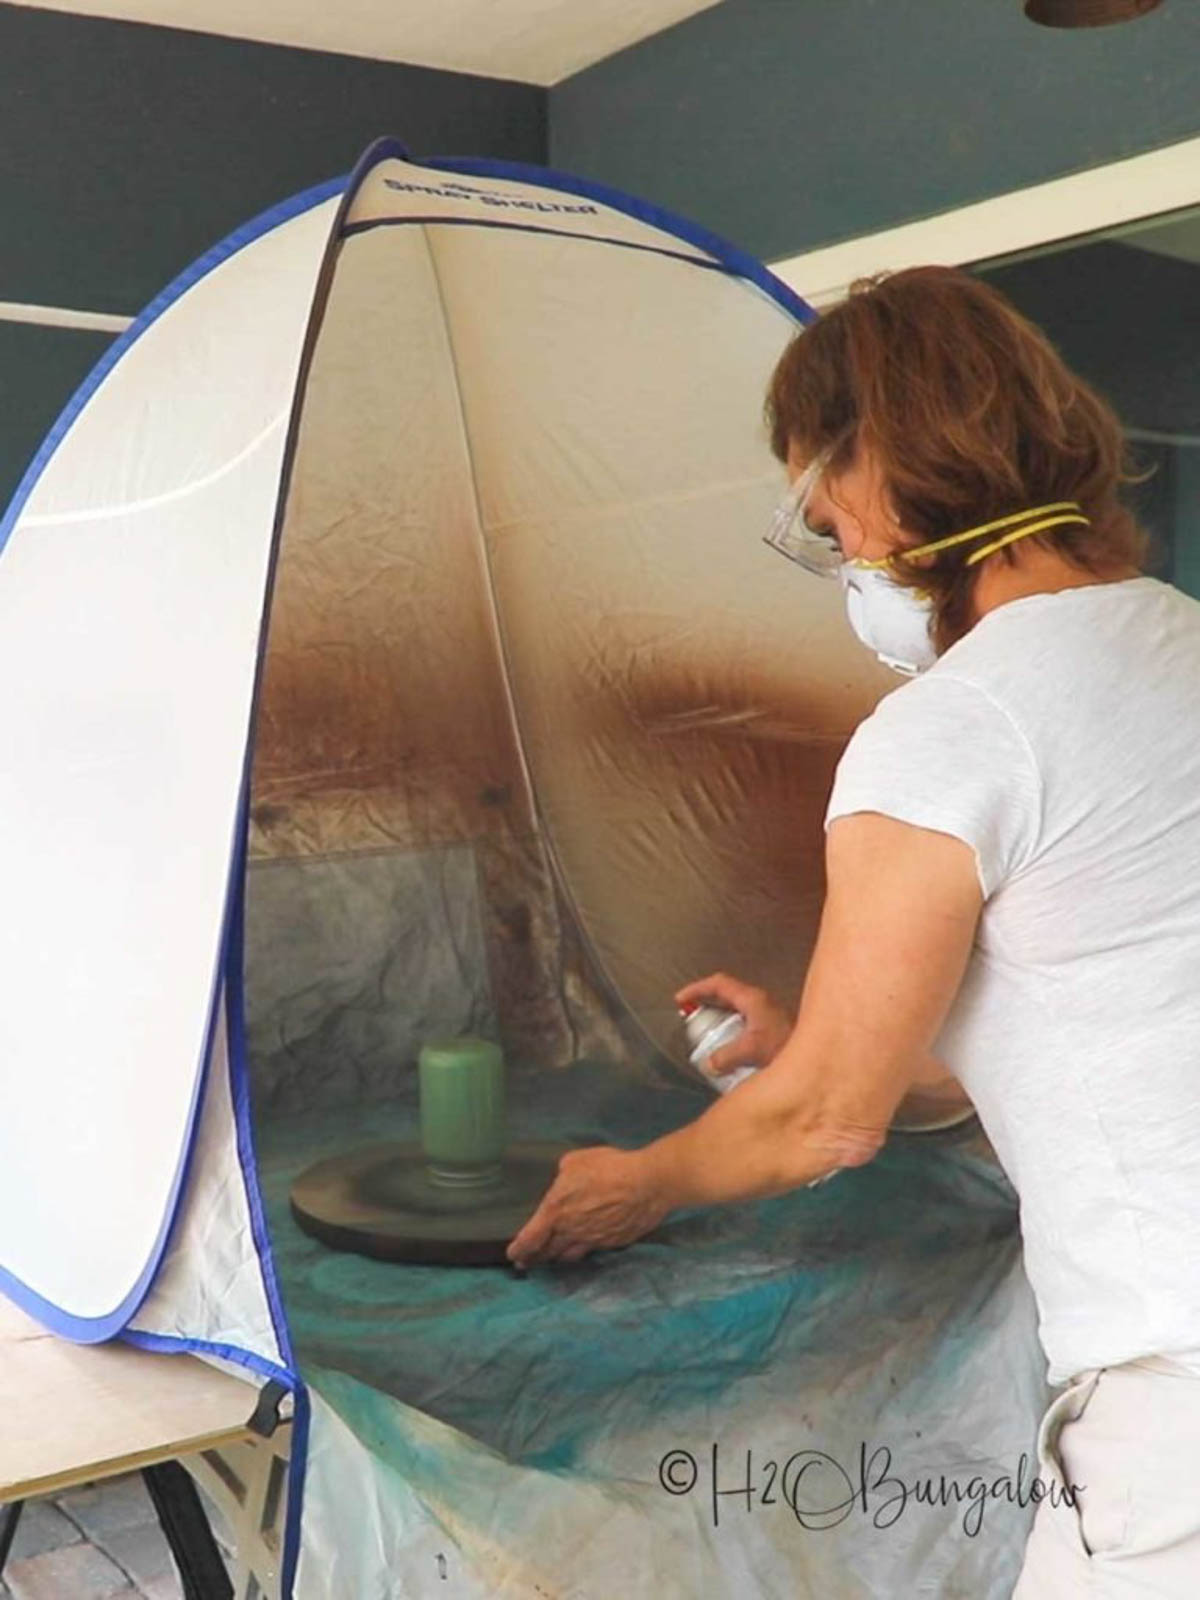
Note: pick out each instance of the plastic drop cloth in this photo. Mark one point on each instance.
(696, 1415)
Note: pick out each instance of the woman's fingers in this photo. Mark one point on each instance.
(534, 1238)
(745, 1051)
(767, 1026)
(726, 990)
(602, 1198)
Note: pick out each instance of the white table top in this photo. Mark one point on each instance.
(70, 1413)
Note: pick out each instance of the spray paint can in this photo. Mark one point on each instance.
(707, 1029)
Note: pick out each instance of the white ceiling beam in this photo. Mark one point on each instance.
(61, 317)
(1104, 198)
(529, 41)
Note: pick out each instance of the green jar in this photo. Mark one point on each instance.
(462, 1106)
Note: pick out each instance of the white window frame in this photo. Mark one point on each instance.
(1102, 199)
(62, 317)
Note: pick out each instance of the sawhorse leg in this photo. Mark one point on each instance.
(248, 1483)
(183, 1521)
(189, 1535)
(10, 1515)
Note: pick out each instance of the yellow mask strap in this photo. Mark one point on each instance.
(1068, 511)
(1022, 533)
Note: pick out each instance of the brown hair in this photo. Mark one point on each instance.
(972, 415)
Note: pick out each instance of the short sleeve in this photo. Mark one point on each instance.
(941, 753)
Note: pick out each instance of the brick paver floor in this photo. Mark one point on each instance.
(93, 1543)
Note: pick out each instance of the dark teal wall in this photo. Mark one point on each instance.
(786, 124)
(125, 151)
(40, 368)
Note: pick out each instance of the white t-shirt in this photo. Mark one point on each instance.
(1061, 740)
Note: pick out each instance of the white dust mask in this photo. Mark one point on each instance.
(890, 619)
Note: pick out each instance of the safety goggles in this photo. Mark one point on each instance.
(818, 551)
(814, 549)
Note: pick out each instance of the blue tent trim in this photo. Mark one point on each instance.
(297, 1474)
(239, 1083)
(187, 279)
(166, 1344)
(173, 1345)
(228, 965)
(93, 1330)
(735, 260)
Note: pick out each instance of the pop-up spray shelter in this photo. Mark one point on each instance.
(390, 604)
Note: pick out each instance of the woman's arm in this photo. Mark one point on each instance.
(934, 1095)
(896, 932)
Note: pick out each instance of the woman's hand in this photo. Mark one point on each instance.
(767, 1029)
(601, 1199)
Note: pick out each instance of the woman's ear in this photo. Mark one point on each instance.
(879, 492)
(861, 494)
(888, 507)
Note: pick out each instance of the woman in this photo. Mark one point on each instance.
(1013, 863)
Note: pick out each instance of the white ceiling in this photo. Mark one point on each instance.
(532, 41)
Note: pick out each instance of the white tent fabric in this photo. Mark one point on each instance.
(211, 1283)
(130, 610)
(434, 494)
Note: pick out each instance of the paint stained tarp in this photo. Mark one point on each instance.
(806, 1396)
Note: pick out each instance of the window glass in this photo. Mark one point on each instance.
(1123, 307)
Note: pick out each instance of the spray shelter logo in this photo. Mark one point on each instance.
(468, 194)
